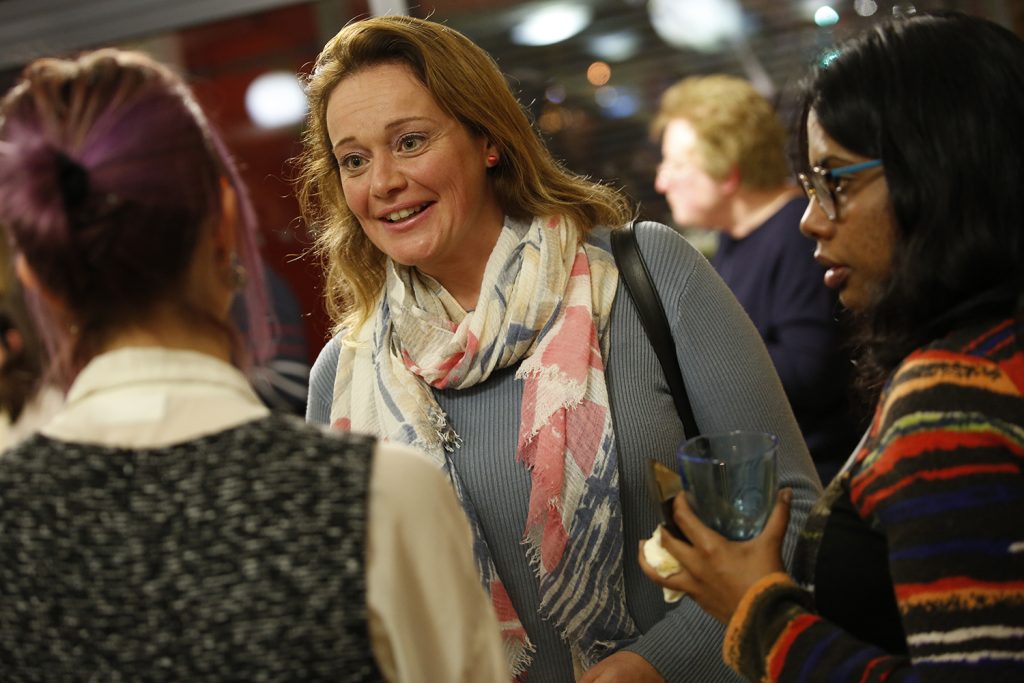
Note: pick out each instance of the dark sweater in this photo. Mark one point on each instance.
(236, 556)
(774, 276)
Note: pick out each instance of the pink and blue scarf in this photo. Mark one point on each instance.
(545, 301)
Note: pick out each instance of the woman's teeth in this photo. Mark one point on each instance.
(404, 213)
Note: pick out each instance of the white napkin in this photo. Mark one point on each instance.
(663, 563)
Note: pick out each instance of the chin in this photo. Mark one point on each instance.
(852, 302)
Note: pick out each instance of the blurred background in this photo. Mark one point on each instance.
(590, 73)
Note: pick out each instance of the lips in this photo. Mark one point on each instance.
(835, 274)
(835, 277)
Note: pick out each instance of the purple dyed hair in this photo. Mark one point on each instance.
(109, 174)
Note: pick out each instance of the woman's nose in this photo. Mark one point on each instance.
(814, 223)
(387, 177)
(660, 185)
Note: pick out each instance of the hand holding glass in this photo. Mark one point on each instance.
(730, 480)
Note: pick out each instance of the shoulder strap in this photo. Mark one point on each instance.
(652, 315)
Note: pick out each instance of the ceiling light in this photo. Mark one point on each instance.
(275, 99)
(552, 24)
(615, 47)
(865, 8)
(697, 24)
(826, 16)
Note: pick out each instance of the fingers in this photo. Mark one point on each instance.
(688, 521)
(777, 523)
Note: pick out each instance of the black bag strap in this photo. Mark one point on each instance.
(652, 316)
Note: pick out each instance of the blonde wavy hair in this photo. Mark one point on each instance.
(735, 126)
(467, 84)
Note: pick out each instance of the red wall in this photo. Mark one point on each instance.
(221, 59)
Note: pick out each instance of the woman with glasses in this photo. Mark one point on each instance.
(911, 566)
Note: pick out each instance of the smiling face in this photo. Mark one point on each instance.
(694, 197)
(414, 177)
(856, 249)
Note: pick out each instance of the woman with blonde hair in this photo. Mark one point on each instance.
(479, 317)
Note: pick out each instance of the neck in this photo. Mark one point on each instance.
(171, 329)
(465, 290)
(463, 275)
(752, 208)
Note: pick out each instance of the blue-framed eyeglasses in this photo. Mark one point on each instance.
(825, 184)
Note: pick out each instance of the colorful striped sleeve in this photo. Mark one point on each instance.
(942, 481)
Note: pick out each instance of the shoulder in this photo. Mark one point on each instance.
(987, 359)
(781, 233)
(321, 383)
(282, 435)
(411, 501)
(657, 238)
(35, 454)
(326, 364)
(968, 382)
(953, 407)
(659, 244)
(406, 476)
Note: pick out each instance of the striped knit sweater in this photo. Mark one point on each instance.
(928, 519)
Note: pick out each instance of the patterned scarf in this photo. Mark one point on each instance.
(542, 294)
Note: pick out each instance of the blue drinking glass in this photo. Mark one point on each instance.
(730, 480)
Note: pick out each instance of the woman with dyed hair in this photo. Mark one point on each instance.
(480, 317)
(910, 568)
(163, 525)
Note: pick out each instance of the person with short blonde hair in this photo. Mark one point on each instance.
(724, 168)
(735, 126)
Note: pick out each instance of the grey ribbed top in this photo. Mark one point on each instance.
(732, 385)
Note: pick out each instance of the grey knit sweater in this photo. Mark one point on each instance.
(732, 385)
(237, 556)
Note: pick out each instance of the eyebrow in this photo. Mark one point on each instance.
(390, 125)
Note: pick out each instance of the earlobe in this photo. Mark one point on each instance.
(26, 276)
(227, 229)
(732, 180)
(492, 157)
(30, 283)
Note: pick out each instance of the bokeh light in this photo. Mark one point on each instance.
(599, 73)
(865, 8)
(552, 24)
(697, 24)
(615, 47)
(826, 16)
(555, 93)
(275, 99)
(616, 103)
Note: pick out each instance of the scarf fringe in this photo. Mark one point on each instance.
(519, 654)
